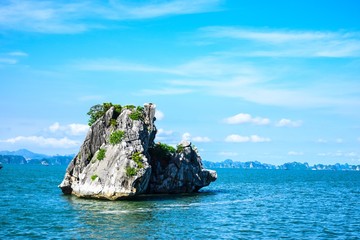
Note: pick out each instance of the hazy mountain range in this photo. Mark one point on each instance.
(228, 163)
(24, 156)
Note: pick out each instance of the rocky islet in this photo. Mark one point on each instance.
(119, 159)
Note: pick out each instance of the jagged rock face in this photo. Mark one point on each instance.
(180, 172)
(130, 167)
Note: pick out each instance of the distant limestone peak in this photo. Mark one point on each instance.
(119, 159)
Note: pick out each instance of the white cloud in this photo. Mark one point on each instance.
(164, 135)
(54, 127)
(201, 139)
(161, 131)
(337, 140)
(74, 129)
(44, 142)
(246, 118)
(64, 16)
(288, 123)
(159, 115)
(162, 8)
(117, 65)
(187, 137)
(234, 78)
(294, 153)
(77, 129)
(18, 54)
(241, 139)
(290, 43)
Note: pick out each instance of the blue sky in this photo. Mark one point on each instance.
(273, 81)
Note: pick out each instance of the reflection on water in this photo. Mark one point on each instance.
(101, 218)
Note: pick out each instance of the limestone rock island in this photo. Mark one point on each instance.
(120, 160)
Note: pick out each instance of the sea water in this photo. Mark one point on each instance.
(241, 204)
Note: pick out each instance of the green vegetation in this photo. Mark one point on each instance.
(137, 114)
(98, 110)
(101, 154)
(93, 177)
(113, 122)
(163, 151)
(130, 107)
(137, 158)
(130, 171)
(116, 137)
(180, 148)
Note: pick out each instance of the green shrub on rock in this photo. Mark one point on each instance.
(137, 158)
(93, 177)
(98, 110)
(130, 171)
(113, 122)
(137, 113)
(163, 151)
(180, 148)
(116, 137)
(101, 154)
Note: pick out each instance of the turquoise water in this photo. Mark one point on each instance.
(241, 204)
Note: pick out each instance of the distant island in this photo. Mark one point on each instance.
(24, 156)
(228, 163)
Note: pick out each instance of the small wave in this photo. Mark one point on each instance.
(126, 211)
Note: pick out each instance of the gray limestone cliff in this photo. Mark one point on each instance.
(119, 159)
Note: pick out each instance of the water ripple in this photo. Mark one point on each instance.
(239, 205)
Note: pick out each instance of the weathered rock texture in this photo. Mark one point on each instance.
(119, 175)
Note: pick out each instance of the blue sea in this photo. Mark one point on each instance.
(241, 204)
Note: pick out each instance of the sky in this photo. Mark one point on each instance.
(270, 81)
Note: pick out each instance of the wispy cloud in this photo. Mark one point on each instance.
(79, 16)
(233, 78)
(289, 43)
(12, 57)
(44, 142)
(325, 141)
(164, 135)
(8, 61)
(246, 118)
(187, 137)
(74, 129)
(242, 139)
(18, 54)
(288, 123)
(116, 65)
(159, 115)
(153, 9)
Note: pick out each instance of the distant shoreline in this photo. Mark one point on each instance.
(286, 166)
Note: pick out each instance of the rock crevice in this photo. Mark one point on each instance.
(134, 165)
